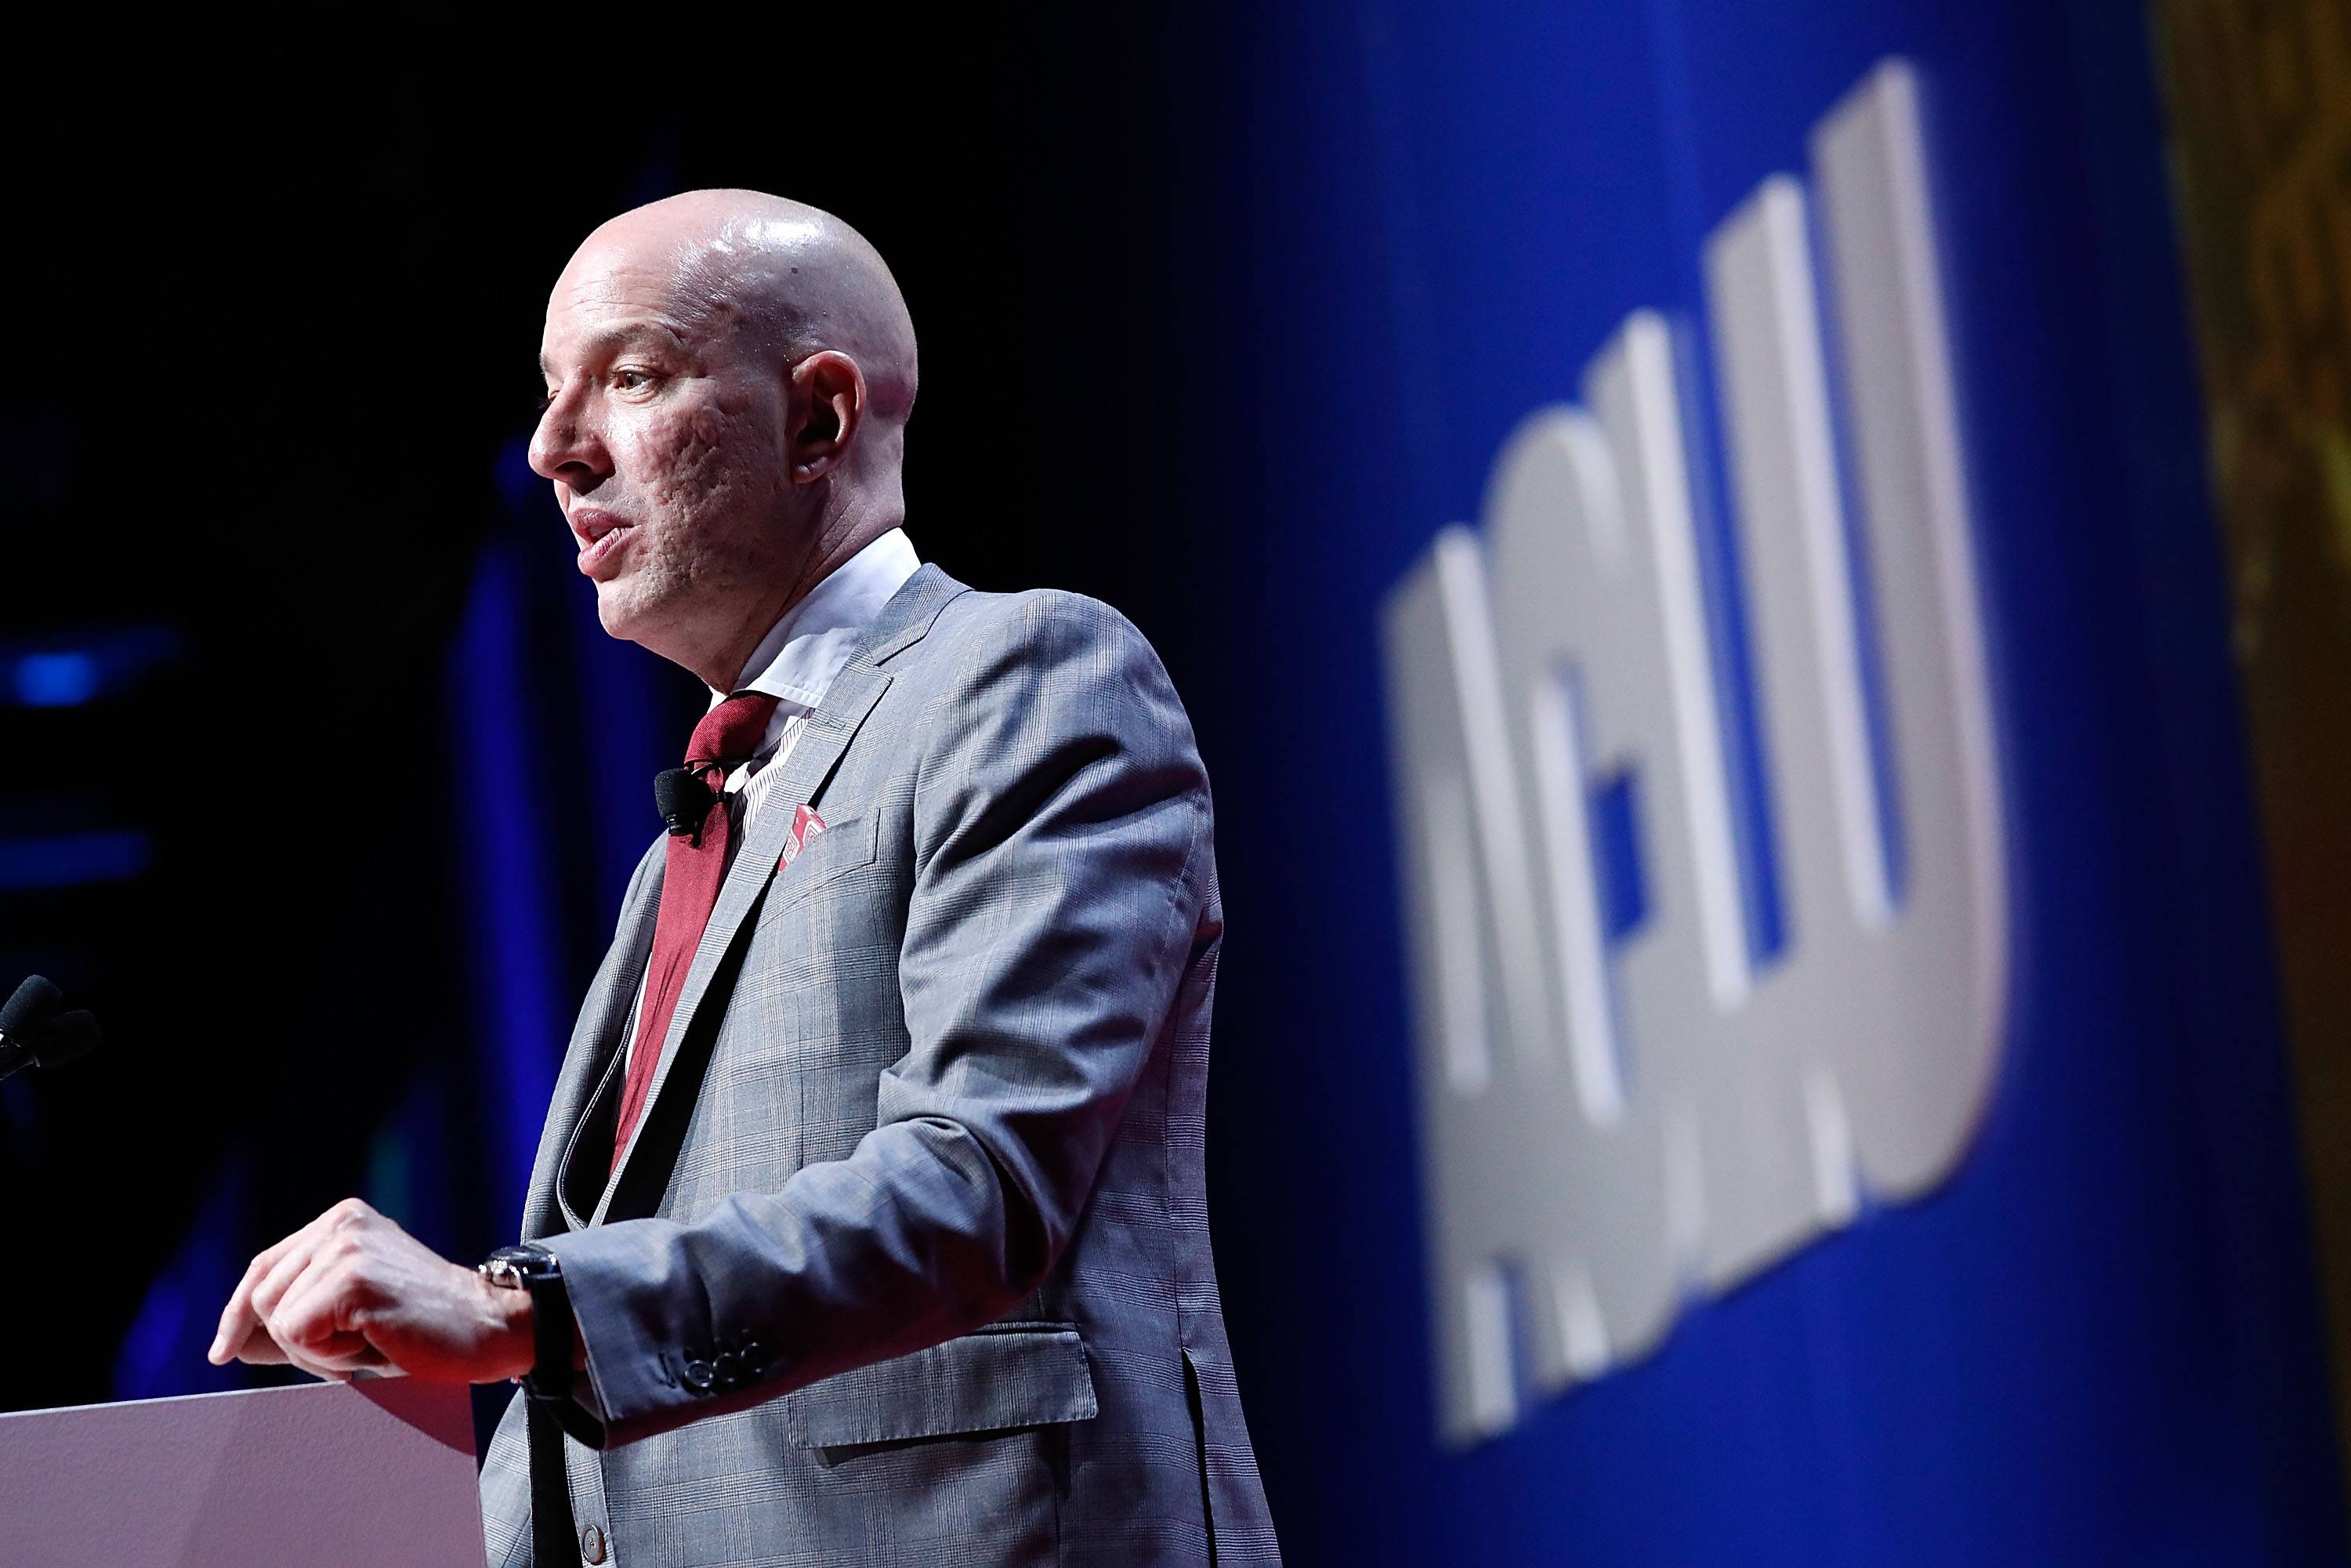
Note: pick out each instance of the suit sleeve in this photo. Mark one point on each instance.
(1058, 813)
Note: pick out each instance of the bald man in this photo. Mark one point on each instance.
(867, 1223)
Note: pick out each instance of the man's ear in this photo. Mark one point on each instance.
(827, 404)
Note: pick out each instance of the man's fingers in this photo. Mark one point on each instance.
(270, 1295)
(312, 1321)
(238, 1319)
(254, 1347)
(237, 1326)
(306, 1313)
(248, 1336)
(323, 1372)
(337, 1356)
(251, 1318)
(241, 1317)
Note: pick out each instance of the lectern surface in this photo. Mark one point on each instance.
(366, 1475)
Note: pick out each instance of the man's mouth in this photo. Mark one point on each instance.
(602, 537)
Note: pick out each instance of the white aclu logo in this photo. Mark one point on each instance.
(1620, 1123)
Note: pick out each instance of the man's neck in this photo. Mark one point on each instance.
(834, 546)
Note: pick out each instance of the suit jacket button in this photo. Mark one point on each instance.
(592, 1544)
(698, 1376)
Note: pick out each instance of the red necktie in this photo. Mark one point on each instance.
(726, 737)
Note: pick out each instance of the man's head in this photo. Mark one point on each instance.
(728, 376)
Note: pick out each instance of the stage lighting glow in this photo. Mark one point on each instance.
(56, 680)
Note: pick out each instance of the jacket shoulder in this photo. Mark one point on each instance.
(1052, 658)
(1053, 618)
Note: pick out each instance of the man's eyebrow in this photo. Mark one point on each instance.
(612, 339)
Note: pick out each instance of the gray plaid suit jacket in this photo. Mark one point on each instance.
(908, 1259)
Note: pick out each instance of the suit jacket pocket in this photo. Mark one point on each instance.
(839, 850)
(1004, 1377)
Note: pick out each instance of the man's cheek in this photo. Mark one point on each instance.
(709, 426)
(695, 471)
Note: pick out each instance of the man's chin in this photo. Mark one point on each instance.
(626, 615)
(618, 612)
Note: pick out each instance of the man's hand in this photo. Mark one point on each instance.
(351, 1290)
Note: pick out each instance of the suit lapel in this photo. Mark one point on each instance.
(814, 756)
(602, 1016)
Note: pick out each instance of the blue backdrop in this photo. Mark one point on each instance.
(2097, 1344)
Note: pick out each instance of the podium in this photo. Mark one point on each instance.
(370, 1474)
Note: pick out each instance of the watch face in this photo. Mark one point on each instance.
(514, 1267)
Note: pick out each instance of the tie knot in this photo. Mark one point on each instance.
(729, 733)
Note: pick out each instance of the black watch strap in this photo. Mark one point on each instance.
(554, 1532)
(551, 1331)
(548, 1409)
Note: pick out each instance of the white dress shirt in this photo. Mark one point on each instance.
(800, 658)
(797, 663)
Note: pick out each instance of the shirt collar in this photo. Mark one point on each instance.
(800, 657)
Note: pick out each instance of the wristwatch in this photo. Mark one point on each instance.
(548, 1409)
(534, 1268)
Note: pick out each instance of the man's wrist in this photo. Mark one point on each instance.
(538, 1307)
(511, 1332)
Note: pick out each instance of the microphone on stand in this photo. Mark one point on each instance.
(25, 1013)
(33, 1033)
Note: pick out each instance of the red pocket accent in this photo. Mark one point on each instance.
(806, 825)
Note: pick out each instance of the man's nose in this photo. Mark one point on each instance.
(567, 445)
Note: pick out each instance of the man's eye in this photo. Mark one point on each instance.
(545, 401)
(632, 381)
